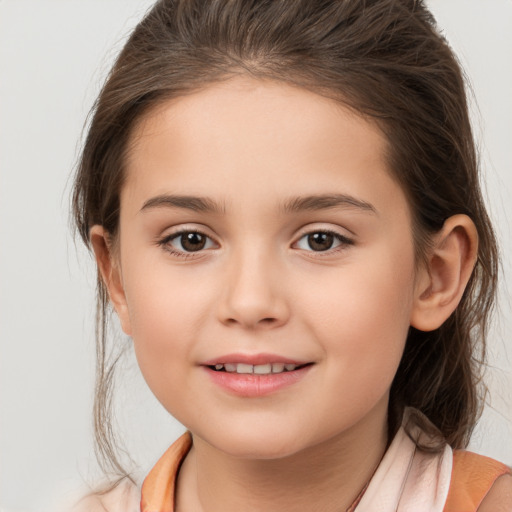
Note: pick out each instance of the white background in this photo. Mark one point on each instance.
(53, 57)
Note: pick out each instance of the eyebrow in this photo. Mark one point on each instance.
(291, 205)
(325, 202)
(196, 204)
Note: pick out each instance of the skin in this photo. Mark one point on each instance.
(259, 286)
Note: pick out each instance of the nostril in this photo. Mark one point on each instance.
(252, 310)
(267, 321)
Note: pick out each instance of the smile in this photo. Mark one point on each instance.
(258, 369)
(264, 377)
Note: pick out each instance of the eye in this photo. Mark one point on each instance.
(184, 242)
(323, 240)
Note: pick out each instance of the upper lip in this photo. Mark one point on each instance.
(254, 359)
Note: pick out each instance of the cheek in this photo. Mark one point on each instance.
(362, 318)
(166, 309)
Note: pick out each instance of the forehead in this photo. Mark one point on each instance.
(275, 109)
(243, 136)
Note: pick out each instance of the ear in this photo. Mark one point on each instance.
(110, 271)
(442, 281)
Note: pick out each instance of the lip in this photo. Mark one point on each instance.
(254, 385)
(254, 359)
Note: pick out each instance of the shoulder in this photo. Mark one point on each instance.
(477, 481)
(125, 497)
(499, 498)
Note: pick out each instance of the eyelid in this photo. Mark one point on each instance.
(343, 240)
(342, 232)
(164, 241)
(171, 231)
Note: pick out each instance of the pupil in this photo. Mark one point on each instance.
(193, 241)
(320, 241)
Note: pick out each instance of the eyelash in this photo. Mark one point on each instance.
(343, 241)
(164, 242)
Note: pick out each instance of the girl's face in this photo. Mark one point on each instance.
(259, 228)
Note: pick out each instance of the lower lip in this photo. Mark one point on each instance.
(253, 385)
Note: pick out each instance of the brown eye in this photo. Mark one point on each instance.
(192, 241)
(186, 242)
(320, 241)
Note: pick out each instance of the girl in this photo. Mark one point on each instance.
(283, 201)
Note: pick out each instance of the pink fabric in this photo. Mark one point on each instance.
(407, 480)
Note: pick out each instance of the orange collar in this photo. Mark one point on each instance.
(158, 489)
(159, 486)
(472, 476)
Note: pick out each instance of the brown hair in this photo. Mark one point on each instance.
(383, 58)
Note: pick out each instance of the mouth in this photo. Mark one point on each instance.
(257, 369)
(255, 375)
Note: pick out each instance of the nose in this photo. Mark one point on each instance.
(253, 295)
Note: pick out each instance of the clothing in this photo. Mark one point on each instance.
(407, 479)
(475, 475)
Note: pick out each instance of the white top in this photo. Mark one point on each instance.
(406, 480)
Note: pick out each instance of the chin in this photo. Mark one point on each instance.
(271, 447)
(254, 442)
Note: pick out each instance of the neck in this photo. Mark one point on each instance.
(327, 477)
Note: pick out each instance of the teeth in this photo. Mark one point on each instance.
(258, 369)
(244, 368)
(263, 369)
